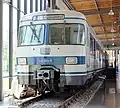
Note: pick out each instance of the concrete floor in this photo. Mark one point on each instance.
(107, 97)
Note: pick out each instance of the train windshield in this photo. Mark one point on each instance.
(67, 34)
(31, 35)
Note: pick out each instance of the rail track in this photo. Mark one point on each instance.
(63, 100)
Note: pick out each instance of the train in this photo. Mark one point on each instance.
(57, 49)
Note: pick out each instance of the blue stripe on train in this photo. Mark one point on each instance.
(60, 72)
(86, 72)
(54, 60)
(73, 73)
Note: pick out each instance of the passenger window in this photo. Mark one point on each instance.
(81, 34)
(87, 40)
(91, 44)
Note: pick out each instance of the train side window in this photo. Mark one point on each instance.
(88, 40)
(98, 51)
(91, 44)
(77, 35)
(81, 34)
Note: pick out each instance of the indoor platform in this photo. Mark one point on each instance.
(107, 97)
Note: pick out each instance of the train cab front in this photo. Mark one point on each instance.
(47, 54)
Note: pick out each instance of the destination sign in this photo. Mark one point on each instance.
(48, 17)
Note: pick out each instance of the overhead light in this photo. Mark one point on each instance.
(113, 44)
(113, 39)
(112, 30)
(111, 12)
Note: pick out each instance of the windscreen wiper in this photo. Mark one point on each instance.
(34, 32)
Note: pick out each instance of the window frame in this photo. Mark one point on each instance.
(19, 44)
(91, 44)
(64, 26)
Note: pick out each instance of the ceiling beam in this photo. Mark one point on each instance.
(102, 11)
(113, 48)
(107, 24)
(110, 42)
(68, 4)
(107, 33)
(100, 18)
(109, 38)
(93, 12)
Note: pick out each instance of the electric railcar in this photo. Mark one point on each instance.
(57, 48)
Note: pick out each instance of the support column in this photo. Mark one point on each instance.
(1, 49)
(52, 4)
(36, 5)
(116, 56)
(40, 5)
(10, 43)
(44, 4)
(18, 14)
(31, 6)
(48, 3)
(25, 7)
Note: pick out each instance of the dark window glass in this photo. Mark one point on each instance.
(91, 44)
(68, 34)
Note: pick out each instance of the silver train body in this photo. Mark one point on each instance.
(57, 47)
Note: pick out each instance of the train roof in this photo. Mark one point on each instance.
(67, 13)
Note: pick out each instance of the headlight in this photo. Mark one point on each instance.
(71, 60)
(22, 61)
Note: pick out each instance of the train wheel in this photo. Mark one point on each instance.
(87, 83)
(41, 87)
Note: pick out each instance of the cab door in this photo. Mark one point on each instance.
(90, 51)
